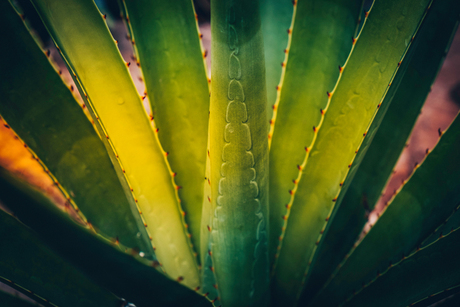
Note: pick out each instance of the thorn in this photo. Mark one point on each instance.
(166, 153)
(284, 217)
(156, 130)
(71, 88)
(306, 149)
(116, 42)
(322, 111)
(285, 51)
(184, 213)
(340, 68)
(294, 2)
(364, 134)
(288, 206)
(197, 288)
(104, 16)
(314, 129)
(48, 53)
(349, 165)
(128, 64)
(353, 40)
(399, 63)
(327, 219)
(178, 187)
(328, 94)
(335, 199)
(299, 167)
(201, 36)
(289, 31)
(274, 107)
(439, 131)
(291, 192)
(23, 17)
(378, 106)
(209, 228)
(366, 14)
(6, 126)
(60, 72)
(282, 64)
(205, 54)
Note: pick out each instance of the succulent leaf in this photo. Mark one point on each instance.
(46, 277)
(39, 107)
(326, 30)
(239, 155)
(430, 270)
(394, 121)
(168, 46)
(276, 18)
(104, 80)
(128, 276)
(415, 212)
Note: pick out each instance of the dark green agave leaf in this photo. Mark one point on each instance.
(42, 111)
(422, 205)
(128, 276)
(394, 121)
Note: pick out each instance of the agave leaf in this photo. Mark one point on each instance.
(395, 119)
(452, 222)
(430, 270)
(321, 41)
(276, 20)
(449, 297)
(168, 46)
(129, 276)
(208, 279)
(416, 211)
(73, 153)
(45, 277)
(239, 155)
(103, 79)
(365, 77)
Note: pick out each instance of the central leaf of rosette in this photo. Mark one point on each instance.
(239, 156)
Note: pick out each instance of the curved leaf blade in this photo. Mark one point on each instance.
(177, 87)
(239, 155)
(103, 78)
(416, 211)
(128, 276)
(394, 121)
(39, 107)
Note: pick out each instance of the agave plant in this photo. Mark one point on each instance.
(192, 204)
